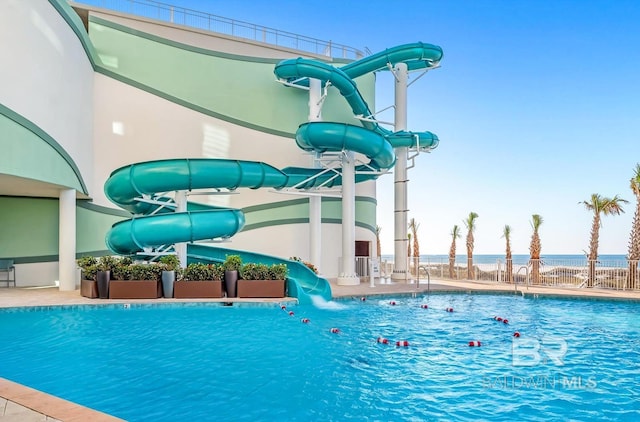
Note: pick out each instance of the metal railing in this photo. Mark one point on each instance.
(214, 23)
(618, 275)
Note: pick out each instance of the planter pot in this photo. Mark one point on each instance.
(89, 288)
(103, 279)
(197, 289)
(135, 289)
(231, 283)
(168, 279)
(261, 288)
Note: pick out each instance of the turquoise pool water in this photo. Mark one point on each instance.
(574, 360)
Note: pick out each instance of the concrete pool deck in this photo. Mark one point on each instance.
(24, 404)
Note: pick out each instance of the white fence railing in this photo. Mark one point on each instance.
(618, 275)
(208, 22)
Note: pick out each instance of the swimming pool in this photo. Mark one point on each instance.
(574, 359)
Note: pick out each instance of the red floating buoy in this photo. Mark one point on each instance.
(506, 321)
(402, 343)
(382, 340)
(449, 309)
(424, 306)
(291, 313)
(305, 320)
(392, 303)
(283, 307)
(475, 344)
(516, 334)
(497, 318)
(335, 330)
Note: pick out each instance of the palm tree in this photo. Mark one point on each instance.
(378, 243)
(470, 224)
(535, 248)
(413, 226)
(634, 241)
(600, 206)
(506, 233)
(409, 245)
(455, 234)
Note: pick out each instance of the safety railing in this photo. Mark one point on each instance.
(205, 21)
(608, 274)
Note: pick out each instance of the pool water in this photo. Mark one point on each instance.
(574, 359)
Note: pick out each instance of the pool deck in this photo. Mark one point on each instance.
(24, 404)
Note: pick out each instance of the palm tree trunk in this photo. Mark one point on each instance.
(535, 271)
(593, 251)
(509, 270)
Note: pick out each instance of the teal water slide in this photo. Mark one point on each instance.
(138, 188)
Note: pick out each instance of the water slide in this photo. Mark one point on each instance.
(138, 188)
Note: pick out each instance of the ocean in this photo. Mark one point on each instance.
(517, 259)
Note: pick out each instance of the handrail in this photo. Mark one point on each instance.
(201, 20)
(426, 271)
(526, 279)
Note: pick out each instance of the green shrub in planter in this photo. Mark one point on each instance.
(107, 263)
(170, 262)
(217, 272)
(198, 271)
(232, 263)
(278, 272)
(89, 267)
(146, 272)
(122, 270)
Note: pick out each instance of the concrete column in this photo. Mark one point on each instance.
(348, 275)
(400, 177)
(67, 268)
(315, 202)
(181, 206)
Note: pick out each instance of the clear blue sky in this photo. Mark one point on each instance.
(537, 105)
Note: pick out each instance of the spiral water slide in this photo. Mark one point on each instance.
(139, 188)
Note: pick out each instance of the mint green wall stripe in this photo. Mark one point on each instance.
(191, 106)
(238, 89)
(30, 228)
(74, 21)
(33, 130)
(181, 46)
(297, 211)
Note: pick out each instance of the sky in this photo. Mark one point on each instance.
(536, 104)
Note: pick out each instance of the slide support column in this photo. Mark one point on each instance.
(67, 268)
(315, 201)
(348, 275)
(400, 177)
(181, 206)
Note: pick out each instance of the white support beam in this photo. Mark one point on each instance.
(67, 268)
(400, 177)
(348, 275)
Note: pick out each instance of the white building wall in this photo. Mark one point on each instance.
(46, 76)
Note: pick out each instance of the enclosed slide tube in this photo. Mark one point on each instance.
(416, 55)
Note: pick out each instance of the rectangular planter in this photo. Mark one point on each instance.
(197, 289)
(261, 288)
(135, 289)
(89, 288)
